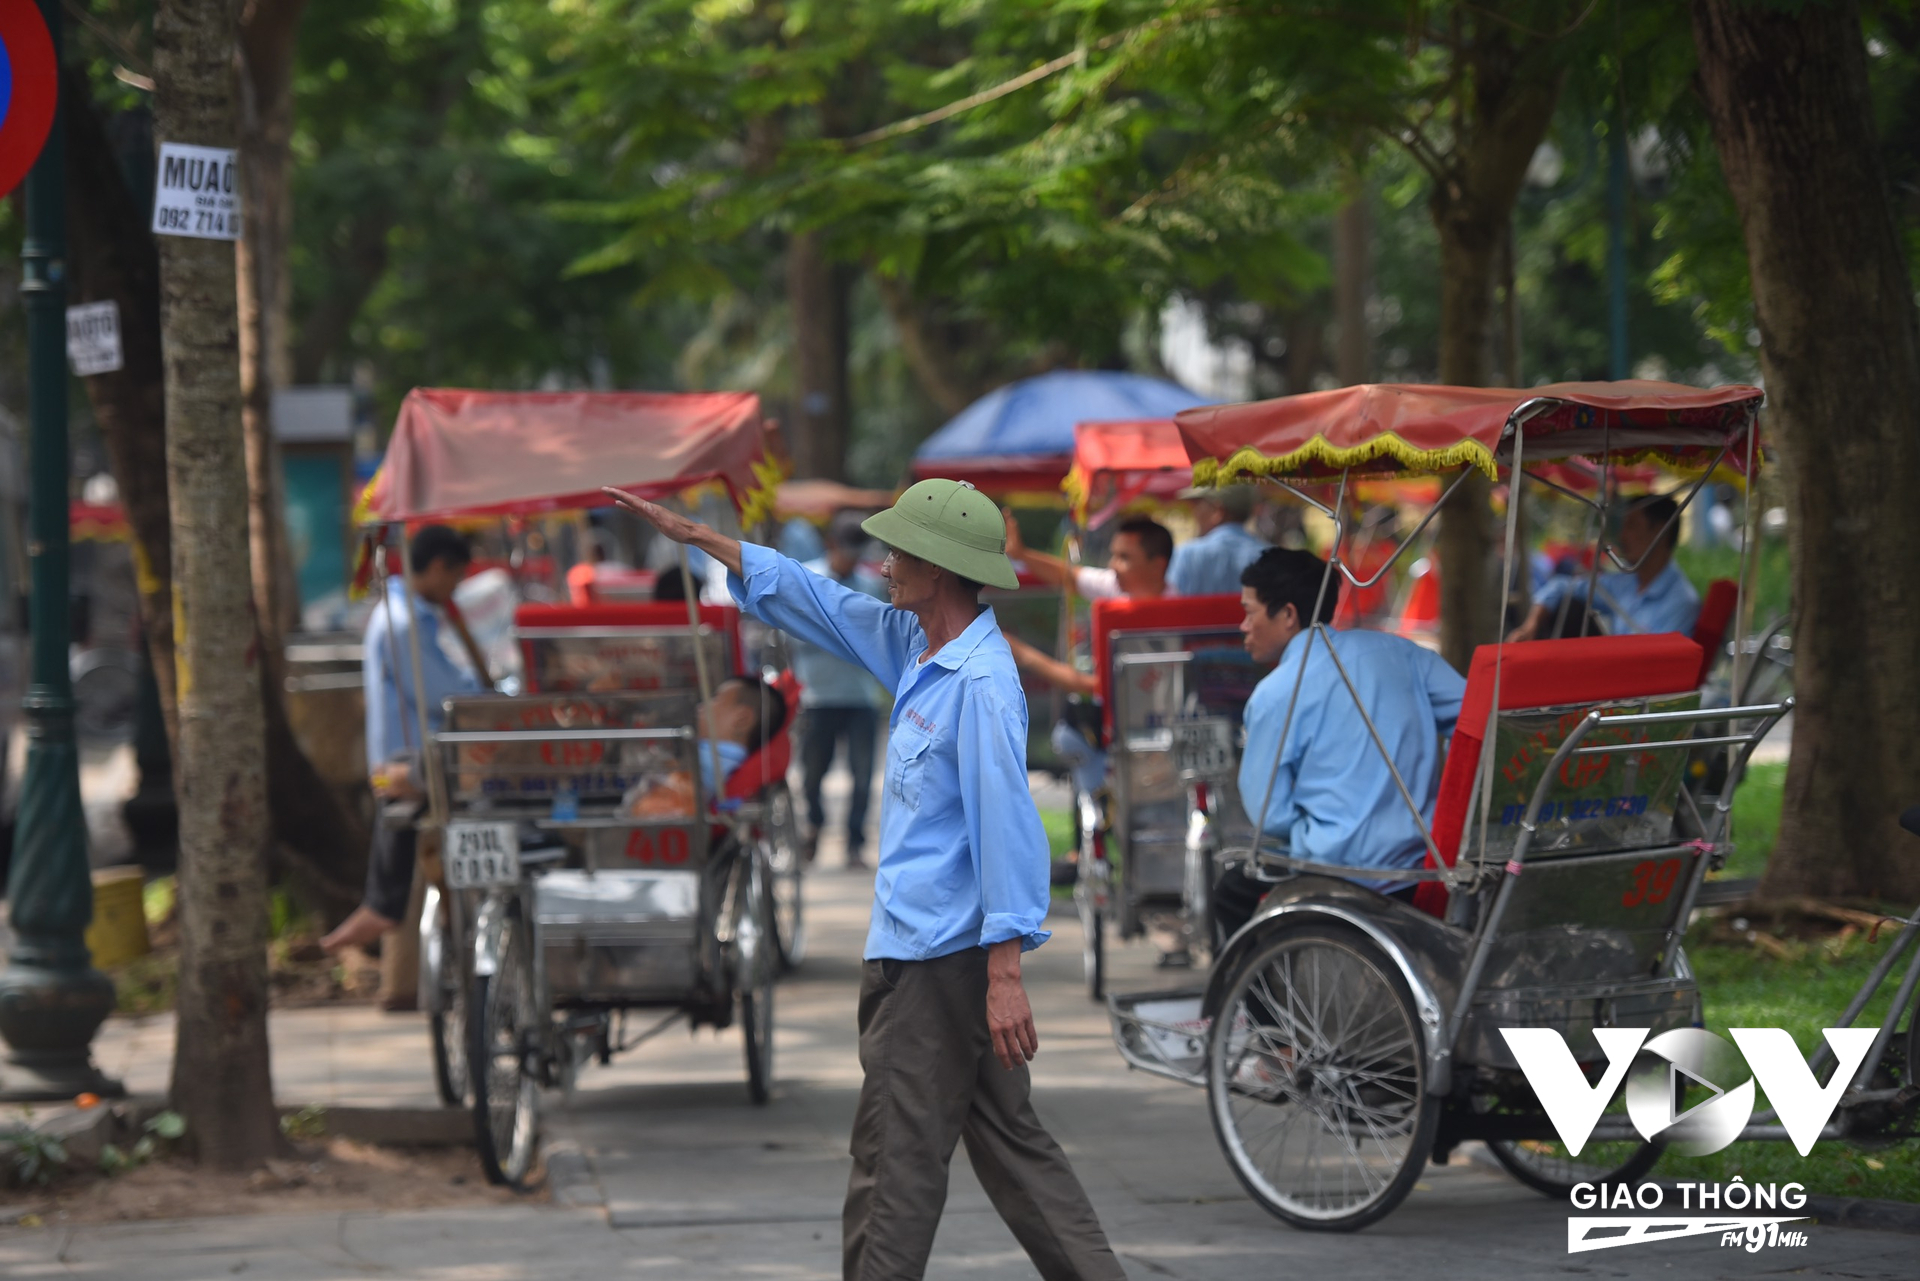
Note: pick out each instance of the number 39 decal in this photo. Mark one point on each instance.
(1652, 882)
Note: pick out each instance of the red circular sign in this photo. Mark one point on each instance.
(32, 87)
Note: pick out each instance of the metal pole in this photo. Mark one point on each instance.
(52, 1000)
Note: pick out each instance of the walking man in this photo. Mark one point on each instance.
(961, 891)
(840, 701)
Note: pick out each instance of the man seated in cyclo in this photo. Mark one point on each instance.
(1654, 598)
(741, 717)
(1327, 792)
(1136, 569)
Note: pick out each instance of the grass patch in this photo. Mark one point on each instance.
(1756, 819)
(1802, 992)
(1773, 577)
(1060, 831)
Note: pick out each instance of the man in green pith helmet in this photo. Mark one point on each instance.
(960, 892)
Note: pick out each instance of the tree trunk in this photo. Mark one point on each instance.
(1793, 120)
(932, 363)
(1509, 90)
(112, 255)
(267, 32)
(222, 1080)
(1352, 243)
(817, 289)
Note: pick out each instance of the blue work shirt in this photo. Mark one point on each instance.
(1334, 799)
(732, 756)
(1210, 565)
(963, 858)
(1667, 604)
(826, 681)
(386, 675)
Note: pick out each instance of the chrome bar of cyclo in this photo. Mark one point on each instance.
(559, 735)
(1866, 993)
(1663, 745)
(1755, 712)
(1884, 1037)
(1490, 925)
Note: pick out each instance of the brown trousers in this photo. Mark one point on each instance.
(932, 1079)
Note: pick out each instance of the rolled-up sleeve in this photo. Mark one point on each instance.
(848, 624)
(1003, 828)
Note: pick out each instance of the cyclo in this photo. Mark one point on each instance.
(587, 872)
(1172, 677)
(1345, 1038)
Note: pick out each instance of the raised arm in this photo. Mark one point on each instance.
(1048, 569)
(1062, 676)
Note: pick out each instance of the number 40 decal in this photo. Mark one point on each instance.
(671, 847)
(1652, 882)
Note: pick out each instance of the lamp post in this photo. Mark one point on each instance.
(52, 1000)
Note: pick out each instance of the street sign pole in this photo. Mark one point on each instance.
(52, 1000)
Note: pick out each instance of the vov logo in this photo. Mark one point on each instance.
(1656, 1070)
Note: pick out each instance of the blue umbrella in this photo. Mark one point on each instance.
(1034, 418)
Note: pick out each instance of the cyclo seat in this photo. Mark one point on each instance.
(768, 765)
(1544, 674)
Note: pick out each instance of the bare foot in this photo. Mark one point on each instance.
(358, 930)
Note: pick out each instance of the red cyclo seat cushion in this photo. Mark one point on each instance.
(1553, 673)
(1156, 614)
(1710, 629)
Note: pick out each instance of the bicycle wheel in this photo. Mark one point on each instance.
(1547, 1168)
(446, 997)
(756, 964)
(1316, 1080)
(785, 870)
(503, 1042)
(1093, 942)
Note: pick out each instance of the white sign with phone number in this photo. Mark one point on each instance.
(197, 192)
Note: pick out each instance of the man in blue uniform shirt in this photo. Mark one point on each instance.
(1210, 564)
(960, 892)
(1654, 598)
(841, 701)
(1331, 797)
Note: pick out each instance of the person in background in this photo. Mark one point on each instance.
(670, 585)
(736, 722)
(439, 558)
(841, 702)
(1654, 598)
(1210, 563)
(1137, 562)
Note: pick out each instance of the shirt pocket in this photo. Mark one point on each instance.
(907, 766)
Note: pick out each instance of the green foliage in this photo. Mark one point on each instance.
(306, 1125)
(33, 1158)
(1756, 819)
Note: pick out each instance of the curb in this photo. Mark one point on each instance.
(571, 1179)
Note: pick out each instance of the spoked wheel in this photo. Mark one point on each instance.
(1093, 945)
(785, 868)
(504, 1042)
(755, 968)
(446, 996)
(1316, 1080)
(1547, 1168)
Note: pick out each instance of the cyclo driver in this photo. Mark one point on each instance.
(1330, 796)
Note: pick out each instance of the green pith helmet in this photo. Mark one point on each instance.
(951, 524)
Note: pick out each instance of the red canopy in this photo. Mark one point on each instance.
(1000, 474)
(1386, 428)
(1117, 462)
(491, 453)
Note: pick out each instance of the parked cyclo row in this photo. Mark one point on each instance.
(1345, 1036)
(607, 848)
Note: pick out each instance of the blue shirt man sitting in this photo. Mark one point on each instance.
(1326, 790)
(1654, 598)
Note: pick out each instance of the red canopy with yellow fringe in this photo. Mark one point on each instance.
(494, 453)
(1393, 428)
(1116, 462)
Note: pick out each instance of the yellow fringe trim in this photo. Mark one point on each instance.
(1251, 464)
(1075, 488)
(756, 504)
(363, 507)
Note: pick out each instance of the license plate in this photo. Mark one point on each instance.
(1203, 747)
(479, 855)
